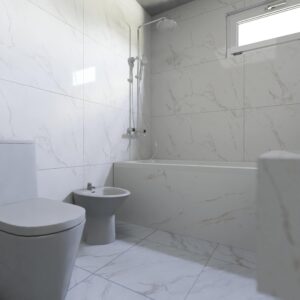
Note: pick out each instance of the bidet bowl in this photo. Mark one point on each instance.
(100, 205)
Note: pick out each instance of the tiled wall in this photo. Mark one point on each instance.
(209, 107)
(78, 128)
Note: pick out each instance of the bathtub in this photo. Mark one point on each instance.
(209, 200)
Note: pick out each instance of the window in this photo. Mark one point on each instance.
(263, 25)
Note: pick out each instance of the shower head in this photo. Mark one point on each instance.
(166, 24)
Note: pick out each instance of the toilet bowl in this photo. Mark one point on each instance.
(39, 240)
(100, 205)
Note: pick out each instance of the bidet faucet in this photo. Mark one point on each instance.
(90, 187)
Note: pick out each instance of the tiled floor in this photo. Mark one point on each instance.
(147, 264)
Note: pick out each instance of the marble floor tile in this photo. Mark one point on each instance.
(155, 270)
(78, 275)
(96, 288)
(91, 258)
(226, 281)
(131, 232)
(236, 256)
(202, 248)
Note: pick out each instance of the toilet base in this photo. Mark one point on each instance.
(100, 230)
(38, 268)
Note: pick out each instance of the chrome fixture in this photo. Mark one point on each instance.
(275, 5)
(162, 24)
(90, 187)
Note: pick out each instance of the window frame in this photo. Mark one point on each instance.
(233, 19)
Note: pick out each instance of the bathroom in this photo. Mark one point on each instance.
(174, 116)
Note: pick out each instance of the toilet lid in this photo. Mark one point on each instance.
(38, 217)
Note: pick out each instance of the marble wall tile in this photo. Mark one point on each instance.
(107, 22)
(48, 49)
(195, 40)
(212, 86)
(30, 53)
(53, 121)
(58, 184)
(104, 134)
(216, 203)
(98, 175)
(106, 75)
(271, 128)
(68, 11)
(208, 136)
(241, 257)
(141, 147)
(197, 7)
(272, 75)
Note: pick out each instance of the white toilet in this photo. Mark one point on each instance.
(39, 238)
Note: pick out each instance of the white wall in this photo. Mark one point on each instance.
(77, 128)
(208, 107)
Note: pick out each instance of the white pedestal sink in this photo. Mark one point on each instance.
(100, 205)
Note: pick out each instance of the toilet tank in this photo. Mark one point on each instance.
(17, 171)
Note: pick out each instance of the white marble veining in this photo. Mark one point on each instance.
(98, 288)
(215, 136)
(92, 258)
(167, 266)
(78, 275)
(154, 270)
(68, 11)
(278, 238)
(272, 76)
(201, 248)
(193, 81)
(58, 184)
(53, 121)
(226, 281)
(215, 203)
(60, 60)
(212, 86)
(29, 51)
(272, 128)
(196, 40)
(241, 257)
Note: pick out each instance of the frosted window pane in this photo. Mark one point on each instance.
(269, 27)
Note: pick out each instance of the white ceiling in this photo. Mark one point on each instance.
(154, 7)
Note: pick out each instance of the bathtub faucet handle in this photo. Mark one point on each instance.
(90, 186)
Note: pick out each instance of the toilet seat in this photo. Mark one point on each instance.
(38, 217)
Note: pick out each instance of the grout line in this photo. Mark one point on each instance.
(180, 68)
(197, 113)
(55, 16)
(132, 246)
(125, 287)
(83, 94)
(78, 166)
(204, 267)
(68, 96)
(227, 110)
(244, 114)
(40, 89)
(78, 30)
(77, 283)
